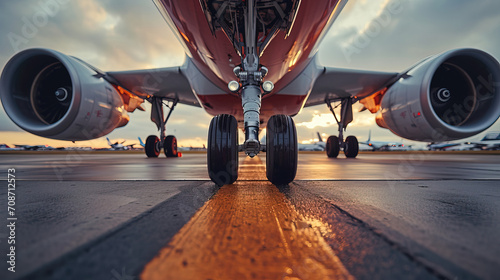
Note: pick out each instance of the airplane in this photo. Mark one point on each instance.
(191, 148)
(490, 141)
(116, 145)
(34, 147)
(385, 146)
(119, 146)
(252, 64)
(395, 147)
(441, 146)
(5, 147)
(467, 146)
(319, 145)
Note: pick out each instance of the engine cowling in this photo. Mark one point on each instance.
(450, 96)
(56, 96)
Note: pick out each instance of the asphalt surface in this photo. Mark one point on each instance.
(380, 216)
(108, 166)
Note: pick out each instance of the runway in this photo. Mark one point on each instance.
(110, 166)
(123, 216)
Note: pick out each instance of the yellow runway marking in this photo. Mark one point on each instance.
(248, 230)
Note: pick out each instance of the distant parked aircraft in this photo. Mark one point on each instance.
(395, 147)
(119, 146)
(489, 142)
(385, 146)
(191, 148)
(35, 147)
(467, 146)
(315, 146)
(441, 146)
(5, 147)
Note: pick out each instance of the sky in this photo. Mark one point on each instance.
(114, 35)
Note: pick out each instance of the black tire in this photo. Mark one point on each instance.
(332, 147)
(222, 152)
(170, 146)
(152, 146)
(351, 147)
(282, 152)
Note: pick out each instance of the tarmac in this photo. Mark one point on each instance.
(120, 215)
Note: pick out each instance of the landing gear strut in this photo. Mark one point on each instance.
(334, 143)
(167, 143)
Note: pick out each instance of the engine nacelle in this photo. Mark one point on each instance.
(450, 96)
(56, 96)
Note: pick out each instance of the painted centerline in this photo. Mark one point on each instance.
(248, 230)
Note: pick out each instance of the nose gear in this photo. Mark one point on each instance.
(250, 35)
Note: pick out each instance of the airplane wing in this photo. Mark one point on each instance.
(168, 83)
(335, 83)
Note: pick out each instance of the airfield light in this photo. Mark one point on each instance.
(233, 86)
(267, 86)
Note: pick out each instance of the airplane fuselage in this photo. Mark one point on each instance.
(286, 56)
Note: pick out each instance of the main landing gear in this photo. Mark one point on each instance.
(154, 145)
(334, 143)
(281, 145)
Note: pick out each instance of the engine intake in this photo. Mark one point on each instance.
(450, 96)
(56, 96)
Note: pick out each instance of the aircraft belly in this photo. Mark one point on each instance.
(213, 56)
(286, 56)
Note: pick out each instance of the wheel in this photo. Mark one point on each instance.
(351, 147)
(282, 152)
(222, 152)
(332, 147)
(152, 146)
(170, 146)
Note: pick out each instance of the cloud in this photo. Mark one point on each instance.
(112, 35)
(416, 30)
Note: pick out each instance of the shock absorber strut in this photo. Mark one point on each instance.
(251, 102)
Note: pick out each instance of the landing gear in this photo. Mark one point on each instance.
(222, 153)
(334, 143)
(282, 152)
(282, 136)
(153, 143)
(152, 146)
(332, 147)
(351, 147)
(170, 146)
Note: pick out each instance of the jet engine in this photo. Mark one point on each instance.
(450, 96)
(56, 96)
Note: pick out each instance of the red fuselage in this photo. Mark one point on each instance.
(285, 56)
